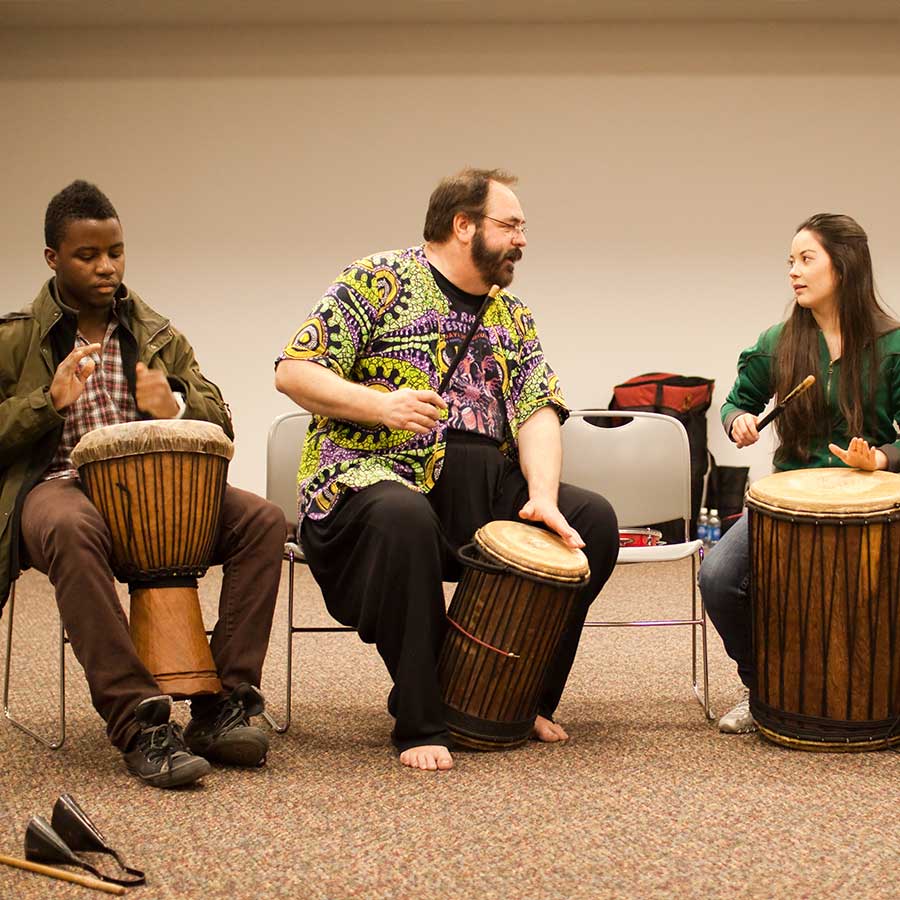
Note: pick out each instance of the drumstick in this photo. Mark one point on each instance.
(460, 354)
(804, 385)
(52, 872)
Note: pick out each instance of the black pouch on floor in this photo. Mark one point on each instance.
(725, 490)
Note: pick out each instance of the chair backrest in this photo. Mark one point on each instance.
(642, 467)
(286, 435)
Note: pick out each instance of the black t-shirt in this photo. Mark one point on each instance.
(475, 393)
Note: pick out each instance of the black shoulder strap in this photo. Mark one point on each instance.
(463, 348)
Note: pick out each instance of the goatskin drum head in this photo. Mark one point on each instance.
(152, 436)
(827, 491)
(533, 550)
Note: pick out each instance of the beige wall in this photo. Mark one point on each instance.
(662, 171)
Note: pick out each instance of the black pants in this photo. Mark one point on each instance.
(382, 554)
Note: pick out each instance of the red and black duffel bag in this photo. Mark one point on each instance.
(681, 396)
(685, 397)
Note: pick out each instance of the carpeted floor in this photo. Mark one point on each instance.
(646, 800)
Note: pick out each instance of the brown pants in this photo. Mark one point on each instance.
(64, 536)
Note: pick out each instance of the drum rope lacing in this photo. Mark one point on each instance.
(887, 740)
(507, 653)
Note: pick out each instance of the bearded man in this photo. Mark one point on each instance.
(435, 412)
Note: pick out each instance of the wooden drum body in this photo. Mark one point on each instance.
(505, 621)
(159, 486)
(825, 587)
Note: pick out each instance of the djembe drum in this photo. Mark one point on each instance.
(506, 618)
(159, 486)
(825, 568)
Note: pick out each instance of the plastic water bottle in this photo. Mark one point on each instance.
(713, 528)
(703, 525)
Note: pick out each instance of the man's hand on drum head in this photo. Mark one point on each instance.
(71, 375)
(410, 410)
(743, 430)
(859, 455)
(539, 510)
(153, 394)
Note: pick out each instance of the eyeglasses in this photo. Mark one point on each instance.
(519, 227)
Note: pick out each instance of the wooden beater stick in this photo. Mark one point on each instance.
(53, 872)
(804, 385)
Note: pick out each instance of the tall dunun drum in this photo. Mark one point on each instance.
(825, 588)
(505, 621)
(159, 486)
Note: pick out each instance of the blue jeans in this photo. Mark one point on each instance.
(725, 585)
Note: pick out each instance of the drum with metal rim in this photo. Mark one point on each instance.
(506, 618)
(825, 588)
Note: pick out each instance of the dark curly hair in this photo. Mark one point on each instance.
(80, 200)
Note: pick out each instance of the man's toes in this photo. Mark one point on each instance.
(549, 732)
(427, 758)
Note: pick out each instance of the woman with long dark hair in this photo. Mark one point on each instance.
(838, 331)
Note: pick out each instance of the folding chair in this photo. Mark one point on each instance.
(285, 443)
(59, 740)
(643, 467)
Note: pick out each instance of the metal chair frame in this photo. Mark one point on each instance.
(60, 739)
(603, 458)
(283, 448)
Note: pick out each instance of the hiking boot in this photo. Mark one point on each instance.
(739, 719)
(159, 756)
(223, 733)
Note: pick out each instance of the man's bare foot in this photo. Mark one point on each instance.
(427, 757)
(549, 732)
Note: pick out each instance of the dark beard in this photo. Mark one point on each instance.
(491, 263)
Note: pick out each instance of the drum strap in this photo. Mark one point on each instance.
(507, 653)
(464, 346)
(163, 581)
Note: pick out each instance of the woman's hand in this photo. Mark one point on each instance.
(859, 455)
(743, 430)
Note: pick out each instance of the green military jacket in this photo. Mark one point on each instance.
(33, 342)
(755, 386)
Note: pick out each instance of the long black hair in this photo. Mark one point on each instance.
(861, 319)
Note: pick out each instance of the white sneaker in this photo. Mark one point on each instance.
(739, 719)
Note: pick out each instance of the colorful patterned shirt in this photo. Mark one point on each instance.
(382, 323)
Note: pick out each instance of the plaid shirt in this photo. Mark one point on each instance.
(105, 400)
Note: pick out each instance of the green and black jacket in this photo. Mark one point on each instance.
(755, 386)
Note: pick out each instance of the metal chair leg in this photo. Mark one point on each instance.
(281, 729)
(293, 629)
(701, 622)
(61, 730)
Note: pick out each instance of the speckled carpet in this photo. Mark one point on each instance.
(646, 800)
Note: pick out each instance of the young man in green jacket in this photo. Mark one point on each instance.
(89, 352)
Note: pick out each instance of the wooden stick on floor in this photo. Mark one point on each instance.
(53, 872)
